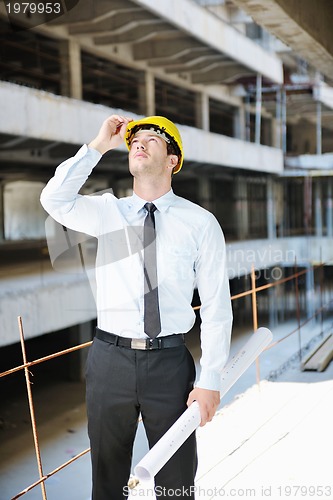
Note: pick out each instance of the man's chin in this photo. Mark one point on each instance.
(141, 169)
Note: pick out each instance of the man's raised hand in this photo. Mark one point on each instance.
(111, 133)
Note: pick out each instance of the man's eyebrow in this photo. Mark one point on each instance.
(148, 134)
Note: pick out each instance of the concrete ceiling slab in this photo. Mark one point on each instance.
(305, 26)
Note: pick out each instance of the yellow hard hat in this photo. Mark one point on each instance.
(166, 128)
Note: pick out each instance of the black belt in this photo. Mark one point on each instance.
(142, 344)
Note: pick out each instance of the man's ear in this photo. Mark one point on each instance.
(173, 161)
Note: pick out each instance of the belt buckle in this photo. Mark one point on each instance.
(139, 344)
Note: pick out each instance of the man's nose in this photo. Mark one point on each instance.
(140, 145)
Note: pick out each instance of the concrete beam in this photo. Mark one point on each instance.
(54, 118)
(196, 64)
(214, 149)
(196, 53)
(170, 47)
(225, 72)
(86, 10)
(47, 116)
(266, 253)
(311, 162)
(114, 22)
(47, 302)
(212, 32)
(134, 33)
(27, 157)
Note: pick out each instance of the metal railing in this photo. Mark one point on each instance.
(253, 292)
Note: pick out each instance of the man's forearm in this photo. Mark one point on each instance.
(60, 196)
(99, 146)
(62, 189)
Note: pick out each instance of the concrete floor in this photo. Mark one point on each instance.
(264, 441)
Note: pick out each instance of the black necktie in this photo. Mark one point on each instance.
(152, 321)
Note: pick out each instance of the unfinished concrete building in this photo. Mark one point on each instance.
(249, 82)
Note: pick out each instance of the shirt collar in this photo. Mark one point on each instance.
(162, 203)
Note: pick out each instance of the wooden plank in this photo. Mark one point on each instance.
(320, 357)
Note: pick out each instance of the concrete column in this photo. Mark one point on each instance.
(71, 74)
(242, 219)
(318, 130)
(205, 193)
(2, 213)
(278, 120)
(240, 124)
(258, 110)
(147, 95)
(271, 210)
(247, 118)
(329, 209)
(24, 216)
(284, 121)
(318, 210)
(272, 304)
(202, 111)
(310, 293)
(79, 334)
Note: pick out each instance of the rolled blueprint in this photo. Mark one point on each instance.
(169, 443)
(187, 423)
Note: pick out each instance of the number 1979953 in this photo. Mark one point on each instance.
(33, 8)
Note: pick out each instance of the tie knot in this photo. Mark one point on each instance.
(150, 207)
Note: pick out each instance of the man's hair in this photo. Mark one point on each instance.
(172, 149)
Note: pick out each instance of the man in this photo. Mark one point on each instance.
(138, 362)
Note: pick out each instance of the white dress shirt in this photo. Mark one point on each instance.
(190, 253)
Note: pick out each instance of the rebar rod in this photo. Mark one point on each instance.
(31, 408)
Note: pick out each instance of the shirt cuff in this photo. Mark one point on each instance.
(85, 149)
(210, 380)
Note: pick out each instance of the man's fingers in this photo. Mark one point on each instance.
(111, 133)
(116, 122)
(208, 401)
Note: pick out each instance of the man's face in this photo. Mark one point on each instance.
(148, 154)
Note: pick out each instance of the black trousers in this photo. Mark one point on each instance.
(121, 383)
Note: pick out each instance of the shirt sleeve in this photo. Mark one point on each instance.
(216, 311)
(60, 196)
